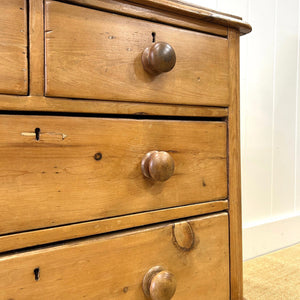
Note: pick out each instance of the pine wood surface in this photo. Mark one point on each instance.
(177, 7)
(152, 14)
(199, 13)
(113, 266)
(234, 171)
(63, 201)
(97, 55)
(57, 179)
(79, 230)
(36, 53)
(13, 47)
(47, 104)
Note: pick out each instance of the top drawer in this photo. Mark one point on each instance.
(97, 55)
(13, 47)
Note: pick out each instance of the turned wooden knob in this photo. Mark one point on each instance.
(159, 58)
(158, 165)
(159, 284)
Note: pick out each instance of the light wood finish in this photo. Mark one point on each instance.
(36, 35)
(34, 103)
(113, 266)
(199, 13)
(153, 14)
(178, 8)
(80, 187)
(61, 233)
(234, 171)
(13, 47)
(192, 4)
(97, 55)
(64, 178)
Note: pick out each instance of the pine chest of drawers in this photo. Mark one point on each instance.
(120, 162)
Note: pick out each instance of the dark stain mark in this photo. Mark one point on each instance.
(98, 156)
(125, 290)
(58, 191)
(36, 272)
(56, 172)
(203, 182)
(43, 172)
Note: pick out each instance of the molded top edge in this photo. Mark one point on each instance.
(184, 8)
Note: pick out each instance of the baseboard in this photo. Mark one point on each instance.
(270, 235)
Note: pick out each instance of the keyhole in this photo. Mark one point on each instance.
(37, 133)
(153, 37)
(36, 272)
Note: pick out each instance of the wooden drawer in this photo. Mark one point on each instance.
(13, 47)
(93, 54)
(62, 178)
(113, 266)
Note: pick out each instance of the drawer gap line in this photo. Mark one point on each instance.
(114, 116)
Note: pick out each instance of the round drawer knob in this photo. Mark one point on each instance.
(159, 58)
(159, 284)
(158, 165)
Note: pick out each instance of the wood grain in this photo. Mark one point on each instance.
(153, 14)
(97, 55)
(234, 172)
(36, 36)
(79, 230)
(180, 8)
(199, 12)
(13, 47)
(113, 266)
(57, 179)
(47, 104)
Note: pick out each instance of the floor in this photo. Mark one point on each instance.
(275, 276)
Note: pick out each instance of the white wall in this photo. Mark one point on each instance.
(270, 122)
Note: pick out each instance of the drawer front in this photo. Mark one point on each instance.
(83, 169)
(13, 47)
(97, 55)
(195, 252)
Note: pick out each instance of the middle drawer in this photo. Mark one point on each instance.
(62, 170)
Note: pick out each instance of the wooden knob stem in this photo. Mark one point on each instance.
(158, 165)
(159, 58)
(159, 284)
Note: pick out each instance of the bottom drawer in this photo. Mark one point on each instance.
(193, 255)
